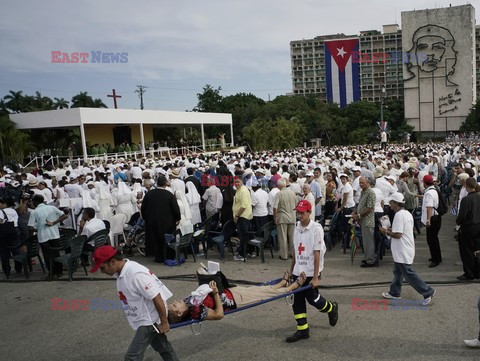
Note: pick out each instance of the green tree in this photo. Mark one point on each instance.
(98, 103)
(244, 107)
(15, 101)
(362, 121)
(329, 124)
(39, 102)
(3, 107)
(472, 121)
(209, 100)
(13, 142)
(397, 125)
(278, 133)
(60, 103)
(86, 101)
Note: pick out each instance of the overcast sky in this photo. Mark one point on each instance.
(174, 47)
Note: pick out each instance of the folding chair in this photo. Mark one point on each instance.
(179, 242)
(202, 231)
(117, 228)
(33, 250)
(260, 238)
(99, 239)
(61, 244)
(68, 259)
(224, 236)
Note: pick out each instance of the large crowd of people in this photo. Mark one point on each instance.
(383, 191)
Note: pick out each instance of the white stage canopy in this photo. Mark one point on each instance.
(78, 117)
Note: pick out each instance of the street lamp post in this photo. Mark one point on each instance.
(381, 103)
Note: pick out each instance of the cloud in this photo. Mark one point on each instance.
(168, 40)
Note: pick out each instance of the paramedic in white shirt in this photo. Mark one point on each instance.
(144, 299)
(309, 249)
(403, 252)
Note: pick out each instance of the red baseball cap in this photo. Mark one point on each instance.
(303, 206)
(101, 255)
(428, 179)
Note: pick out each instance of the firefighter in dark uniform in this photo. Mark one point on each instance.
(309, 253)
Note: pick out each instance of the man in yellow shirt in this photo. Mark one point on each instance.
(242, 215)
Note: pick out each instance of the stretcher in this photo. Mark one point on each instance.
(194, 323)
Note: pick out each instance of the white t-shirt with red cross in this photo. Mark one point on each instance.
(305, 241)
(137, 286)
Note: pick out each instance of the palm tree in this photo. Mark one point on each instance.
(86, 101)
(13, 142)
(3, 107)
(81, 100)
(61, 103)
(97, 103)
(40, 102)
(15, 101)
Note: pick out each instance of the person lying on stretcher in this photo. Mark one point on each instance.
(207, 304)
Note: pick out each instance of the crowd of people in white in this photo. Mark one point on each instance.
(254, 188)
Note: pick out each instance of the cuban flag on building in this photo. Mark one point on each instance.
(341, 73)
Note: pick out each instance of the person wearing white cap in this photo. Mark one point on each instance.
(261, 179)
(388, 187)
(346, 207)
(356, 184)
(463, 191)
(403, 252)
(365, 215)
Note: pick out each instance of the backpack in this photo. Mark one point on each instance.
(7, 230)
(442, 203)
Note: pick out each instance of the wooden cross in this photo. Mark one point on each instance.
(114, 96)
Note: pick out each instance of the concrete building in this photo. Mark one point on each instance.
(387, 79)
(308, 64)
(440, 76)
(387, 73)
(477, 55)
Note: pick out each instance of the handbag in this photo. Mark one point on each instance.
(219, 278)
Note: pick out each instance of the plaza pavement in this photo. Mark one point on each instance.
(31, 330)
